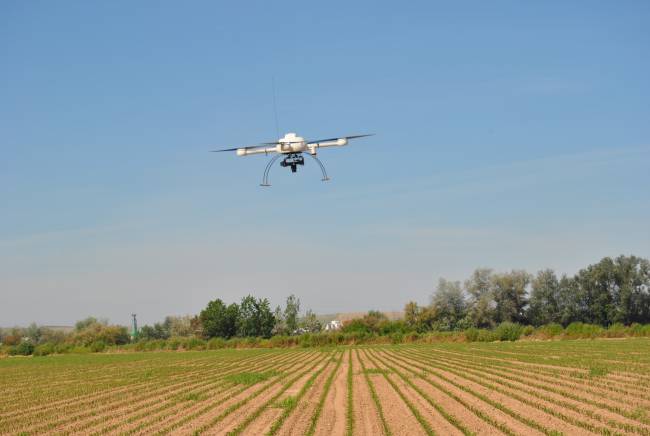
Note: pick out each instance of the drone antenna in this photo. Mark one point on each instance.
(275, 109)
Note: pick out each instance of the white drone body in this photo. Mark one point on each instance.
(291, 147)
(291, 143)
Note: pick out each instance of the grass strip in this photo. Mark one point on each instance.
(373, 394)
(349, 419)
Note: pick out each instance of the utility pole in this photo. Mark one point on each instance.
(134, 328)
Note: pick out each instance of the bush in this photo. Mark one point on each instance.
(25, 348)
(581, 330)
(173, 343)
(44, 349)
(97, 346)
(616, 330)
(195, 344)
(549, 331)
(528, 330)
(216, 344)
(508, 331)
(471, 334)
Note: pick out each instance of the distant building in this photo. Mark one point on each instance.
(333, 325)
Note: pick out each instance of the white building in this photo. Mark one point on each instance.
(333, 325)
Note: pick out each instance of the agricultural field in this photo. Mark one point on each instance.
(559, 387)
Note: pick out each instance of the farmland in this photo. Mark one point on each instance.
(527, 387)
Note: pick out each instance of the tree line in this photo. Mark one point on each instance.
(608, 292)
(488, 305)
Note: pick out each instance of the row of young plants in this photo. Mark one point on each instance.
(215, 380)
(506, 331)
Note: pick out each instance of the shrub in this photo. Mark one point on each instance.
(397, 338)
(173, 343)
(616, 330)
(195, 344)
(508, 331)
(472, 334)
(44, 349)
(216, 343)
(412, 337)
(98, 346)
(485, 335)
(25, 348)
(549, 331)
(581, 330)
(527, 330)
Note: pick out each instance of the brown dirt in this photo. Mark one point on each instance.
(112, 404)
(299, 420)
(167, 394)
(450, 405)
(264, 422)
(602, 388)
(522, 388)
(366, 416)
(521, 409)
(232, 419)
(436, 421)
(333, 416)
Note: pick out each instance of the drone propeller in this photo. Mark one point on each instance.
(238, 148)
(262, 144)
(341, 137)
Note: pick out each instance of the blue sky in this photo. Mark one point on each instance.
(509, 135)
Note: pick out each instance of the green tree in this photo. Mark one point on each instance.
(280, 327)
(310, 322)
(482, 306)
(411, 314)
(291, 311)
(157, 331)
(544, 302)
(255, 317)
(449, 304)
(219, 320)
(509, 293)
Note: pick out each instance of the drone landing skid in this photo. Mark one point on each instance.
(292, 160)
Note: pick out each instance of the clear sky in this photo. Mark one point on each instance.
(509, 135)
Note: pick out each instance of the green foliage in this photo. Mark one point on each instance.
(549, 331)
(471, 334)
(196, 344)
(191, 396)
(310, 323)
(288, 402)
(157, 331)
(25, 348)
(598, 371)
(508, 331)
(255, 318)
(44, 349)
(581, 330)
(291, 311)
(219, 320)
(97, 346)
(449, 305)
(250, 378)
